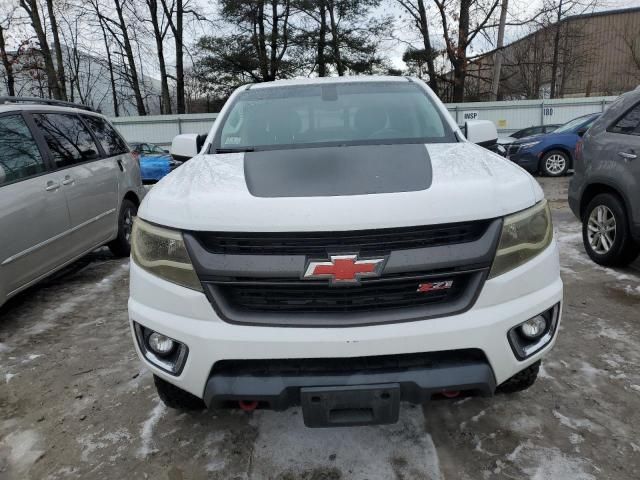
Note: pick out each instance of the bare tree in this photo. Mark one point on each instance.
(497, 64)
(175, 12)
(416, 9)
(7, 59)
(32, 9)
(57, 47)
(160, 29)
(458, 38)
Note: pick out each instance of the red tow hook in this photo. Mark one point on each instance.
(248, 406)
(451, 393)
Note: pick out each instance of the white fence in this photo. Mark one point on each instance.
(160, 129)
(517, 114)
(508, 117)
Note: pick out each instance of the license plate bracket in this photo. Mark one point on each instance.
(344, 406)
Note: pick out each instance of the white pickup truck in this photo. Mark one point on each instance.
(340, 244)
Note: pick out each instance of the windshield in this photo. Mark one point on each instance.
(155, 149)
(571, 124)
(338, 114)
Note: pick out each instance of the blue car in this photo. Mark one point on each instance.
(550, 154)
(155, 162)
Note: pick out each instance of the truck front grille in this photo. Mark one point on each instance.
(366, 242)
(306, 297)
(257, 278)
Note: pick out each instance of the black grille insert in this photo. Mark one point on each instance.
(346, 366)
(318, 297)
(366, 242)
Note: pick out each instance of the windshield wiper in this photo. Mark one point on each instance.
(234, 150)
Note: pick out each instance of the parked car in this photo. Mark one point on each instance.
(526, 132)
(337, 243)
(155, 162)
(551, 154)
(604, 193)
(68, 184)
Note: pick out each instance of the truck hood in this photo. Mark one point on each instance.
(340, 188)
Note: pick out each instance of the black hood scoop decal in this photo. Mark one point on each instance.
(336, 171)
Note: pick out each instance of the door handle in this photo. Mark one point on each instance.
(52, 186)
(120, 165)
(68, 180)
(627, 155)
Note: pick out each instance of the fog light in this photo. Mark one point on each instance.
(160, 344)
(534, 327)
(534, 334)
(161, 351)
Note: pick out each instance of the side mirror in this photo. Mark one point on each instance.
(482, 132)
(184, 146)
(581, 132)
(165, 150)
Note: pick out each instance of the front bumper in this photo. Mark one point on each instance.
(527, 160)
(505, 301)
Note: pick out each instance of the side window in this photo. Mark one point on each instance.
(68, 139)
(111, 142)
(629, 124)
(19, 154)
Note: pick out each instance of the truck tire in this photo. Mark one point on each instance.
(174, 397)
(121, 245)
(617, 248)
(554, 163)
(521, 380)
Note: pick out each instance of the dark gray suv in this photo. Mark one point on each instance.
(605, 191)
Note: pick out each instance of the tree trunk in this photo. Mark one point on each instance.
(58, 49)
(497, 63)
(112, 79)
(262, 45)
(273, 64)
(428, 50)
(165, 98)
(179, 58)
(322, 40)
(556, 48)
(31, 7)
(335, 39)
(8, 66)
(128, 50)
(460, 65)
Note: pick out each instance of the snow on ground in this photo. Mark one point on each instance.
(403, 450)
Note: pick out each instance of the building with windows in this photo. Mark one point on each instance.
(598, 55)
(88, 82)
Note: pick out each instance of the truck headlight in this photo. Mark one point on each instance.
(162, 252)
(524, 235)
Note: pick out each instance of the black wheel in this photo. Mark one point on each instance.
(174, 397)
(121, 246)
(521, 380)
(605, 232)
(554, 163)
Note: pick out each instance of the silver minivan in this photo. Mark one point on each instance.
(68, 184)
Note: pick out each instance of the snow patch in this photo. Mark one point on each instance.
(551, 463)
(574, 423)
(285, 445)
(146, 433)
(542, 373)
(23, 449)
(8, 377)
